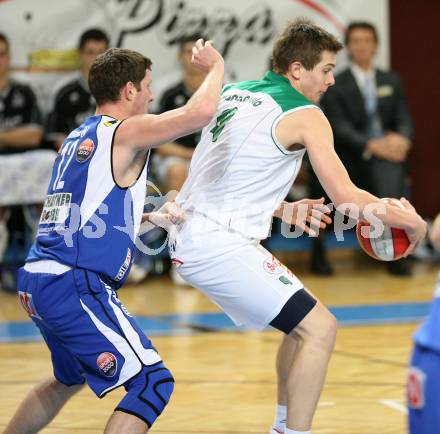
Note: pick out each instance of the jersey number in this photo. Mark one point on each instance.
(221, 121)
(66, 157)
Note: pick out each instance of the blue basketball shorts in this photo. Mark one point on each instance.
(91, 335)
(423, 392)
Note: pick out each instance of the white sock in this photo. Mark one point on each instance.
(291, 431)
(280, 418)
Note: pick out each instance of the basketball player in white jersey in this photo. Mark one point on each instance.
(242, 169)
(68, 284)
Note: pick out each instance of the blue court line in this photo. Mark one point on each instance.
(381, 314)
(167, 325)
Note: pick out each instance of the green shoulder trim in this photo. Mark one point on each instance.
(278, 87)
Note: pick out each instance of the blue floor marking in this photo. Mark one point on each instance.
(19, 332)
(380, 314)
(209, 321)
(176, 324)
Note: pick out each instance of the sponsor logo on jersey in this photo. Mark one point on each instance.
(56, 208)
(415, 388)
(255, 102)
(107, 363)
(273, 266)
(28, 304)
(124, 266)
(110, 123)
(85, 150)
(285, 280)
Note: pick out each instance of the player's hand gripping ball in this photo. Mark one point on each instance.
(390, 245)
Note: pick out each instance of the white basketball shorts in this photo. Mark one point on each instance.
(236, 273)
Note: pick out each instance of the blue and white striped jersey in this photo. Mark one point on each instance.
(88, 221)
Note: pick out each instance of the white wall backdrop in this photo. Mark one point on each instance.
(242, 29)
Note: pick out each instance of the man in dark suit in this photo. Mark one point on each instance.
(370, 120)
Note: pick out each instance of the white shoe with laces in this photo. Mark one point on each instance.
(274, 430)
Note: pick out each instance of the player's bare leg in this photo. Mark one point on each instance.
(285, 356)
(40, 406)
(125, 423)
(317, 332)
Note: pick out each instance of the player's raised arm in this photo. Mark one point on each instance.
(154, 130)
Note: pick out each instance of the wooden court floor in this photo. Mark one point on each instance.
(225, 381)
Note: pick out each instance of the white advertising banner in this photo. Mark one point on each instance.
(44, 33)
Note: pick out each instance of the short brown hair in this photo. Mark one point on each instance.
(302, 41)
(112, 70)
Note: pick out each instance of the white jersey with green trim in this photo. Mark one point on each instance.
(239, 172)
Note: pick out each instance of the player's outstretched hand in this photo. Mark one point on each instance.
(308, 214)
(168, 215)
(205, 56)
(418, 232)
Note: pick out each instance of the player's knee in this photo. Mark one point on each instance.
(148, 393)
(322, 327)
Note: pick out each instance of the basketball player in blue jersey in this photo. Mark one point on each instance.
(85, 244)
(423, 384)
(241, 170)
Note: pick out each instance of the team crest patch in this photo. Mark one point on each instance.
(107, 363)
(85, 150)
(273, 266)
(415, 388)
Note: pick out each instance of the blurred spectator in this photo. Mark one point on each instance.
(24, 169)
(171, 161)
(371, 124)
(74, 102)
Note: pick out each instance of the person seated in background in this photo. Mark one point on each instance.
(73, 102)
(24, 169)
(423, 391)
(372, 128)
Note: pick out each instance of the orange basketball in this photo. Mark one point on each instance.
(388, 246)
